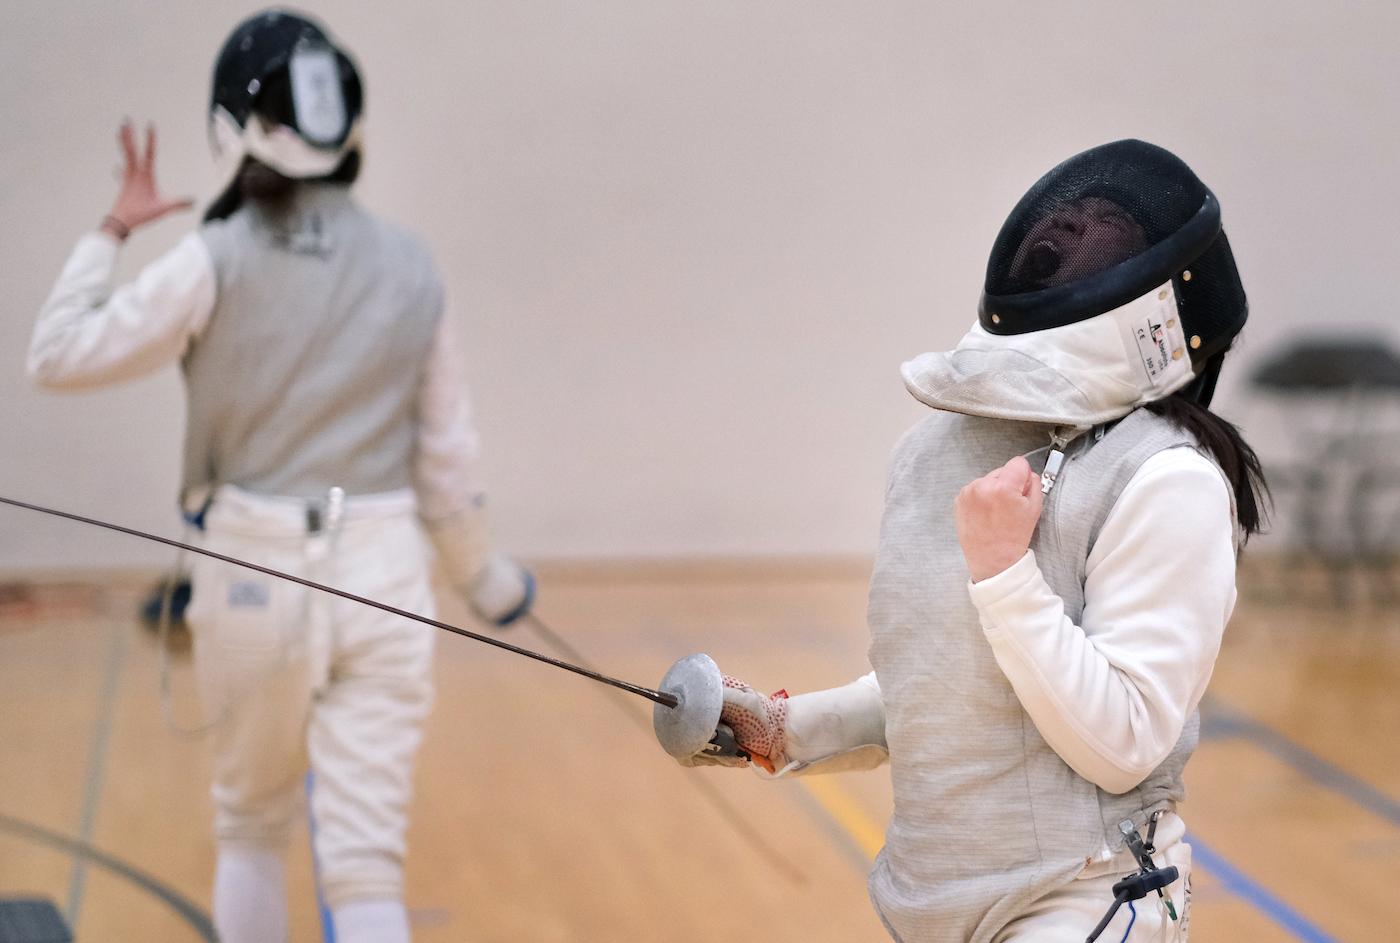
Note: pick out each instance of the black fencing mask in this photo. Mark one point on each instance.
(1108, 226)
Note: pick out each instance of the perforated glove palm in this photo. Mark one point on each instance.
(758, 722)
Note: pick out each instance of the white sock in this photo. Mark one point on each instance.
(371, 921)
(250, 897)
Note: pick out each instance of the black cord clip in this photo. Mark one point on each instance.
(1137, 886)
(1148, 878)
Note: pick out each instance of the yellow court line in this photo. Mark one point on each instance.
(868, 836)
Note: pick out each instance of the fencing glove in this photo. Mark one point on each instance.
(832, 731)
(757, 723)
(497, 589)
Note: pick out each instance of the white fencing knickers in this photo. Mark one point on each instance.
(1068, 914)
(290, 675)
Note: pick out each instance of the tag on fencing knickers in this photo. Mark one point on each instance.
(249, 595)
(316, 95)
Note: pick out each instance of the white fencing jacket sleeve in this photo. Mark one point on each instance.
(836, 730)
(1112, 694)
(88, 336)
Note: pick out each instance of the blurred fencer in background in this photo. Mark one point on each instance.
(328, 428)
(1055, 569)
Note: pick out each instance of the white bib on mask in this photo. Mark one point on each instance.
(1078, 375)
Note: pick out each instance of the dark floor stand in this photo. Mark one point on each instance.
(32, 921)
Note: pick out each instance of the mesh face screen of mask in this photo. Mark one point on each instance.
(1089, 214)
(1078, 239)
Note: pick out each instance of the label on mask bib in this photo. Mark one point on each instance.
(1151, 336)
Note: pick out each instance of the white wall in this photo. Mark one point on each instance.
(691, 242)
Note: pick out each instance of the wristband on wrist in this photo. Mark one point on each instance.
(116, 227)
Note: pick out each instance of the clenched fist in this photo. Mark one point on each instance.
(996, 516)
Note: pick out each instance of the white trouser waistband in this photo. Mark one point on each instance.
(236, 511)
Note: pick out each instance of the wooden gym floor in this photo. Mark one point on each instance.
(546, 812)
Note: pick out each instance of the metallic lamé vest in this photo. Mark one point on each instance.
(308, 372)
(987, 817)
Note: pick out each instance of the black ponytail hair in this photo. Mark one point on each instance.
(1224, 442)
(257, 181)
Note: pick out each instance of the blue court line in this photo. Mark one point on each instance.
(1218, 723)
(1254, 894)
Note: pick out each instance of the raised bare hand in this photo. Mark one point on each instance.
(996, 517)
(140, 200)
